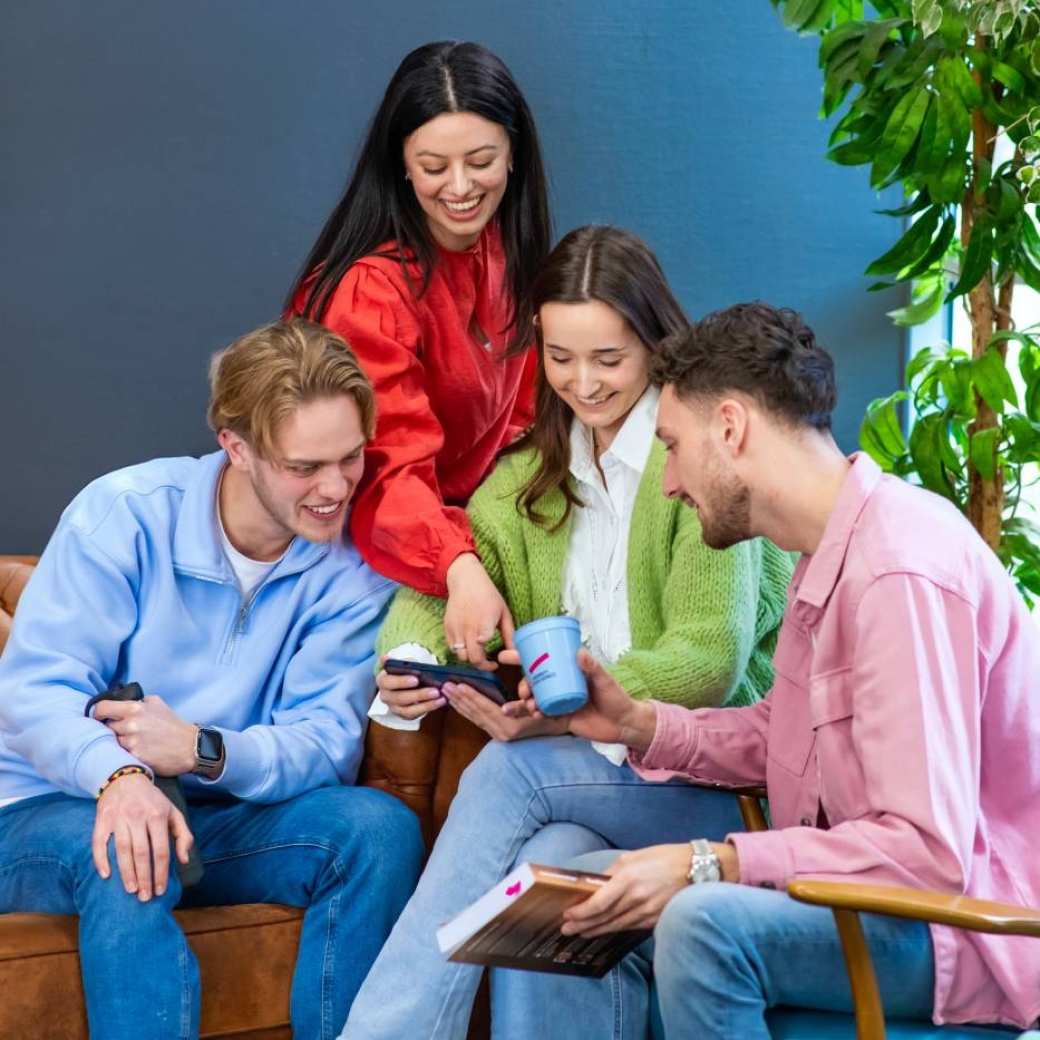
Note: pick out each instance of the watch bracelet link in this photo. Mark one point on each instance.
(704, 863)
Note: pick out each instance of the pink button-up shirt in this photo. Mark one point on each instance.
(901, 740)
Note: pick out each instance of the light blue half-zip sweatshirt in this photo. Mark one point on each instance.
(134, 586)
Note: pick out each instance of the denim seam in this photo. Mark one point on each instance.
(270, 847)
(328, 970)
(186, 1000)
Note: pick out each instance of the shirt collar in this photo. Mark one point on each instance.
(631, 445)
(197, 546)
(823, 567)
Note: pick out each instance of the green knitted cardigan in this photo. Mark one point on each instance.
(703, 622)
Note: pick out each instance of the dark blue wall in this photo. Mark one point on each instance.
(164, 167)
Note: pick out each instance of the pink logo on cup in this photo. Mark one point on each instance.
(538, 662)
(513, 889)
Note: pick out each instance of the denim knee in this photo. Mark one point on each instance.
(121, 909)
(695, 918)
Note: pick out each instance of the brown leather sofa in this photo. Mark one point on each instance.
(246, 953)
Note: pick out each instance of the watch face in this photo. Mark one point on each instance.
(211, 745)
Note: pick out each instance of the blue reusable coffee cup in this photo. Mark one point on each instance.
(548, 651)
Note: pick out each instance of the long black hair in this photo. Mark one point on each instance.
(615, 267)
(379, 205)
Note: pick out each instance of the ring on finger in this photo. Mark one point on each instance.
(458, 646)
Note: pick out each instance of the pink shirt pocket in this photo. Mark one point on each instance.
(842, 793)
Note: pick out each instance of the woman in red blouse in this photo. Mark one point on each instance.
(440, 232)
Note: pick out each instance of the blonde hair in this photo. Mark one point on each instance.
(265, 375)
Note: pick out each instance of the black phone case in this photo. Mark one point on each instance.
(437, 675)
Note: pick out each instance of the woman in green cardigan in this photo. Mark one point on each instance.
(573, 520)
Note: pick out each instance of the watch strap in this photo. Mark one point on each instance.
(704, 863)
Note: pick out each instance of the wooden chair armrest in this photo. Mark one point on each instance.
(976, 915)
(749, 801)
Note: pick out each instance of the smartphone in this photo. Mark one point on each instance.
(487, 683)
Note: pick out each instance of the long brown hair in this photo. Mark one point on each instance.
(615, 267)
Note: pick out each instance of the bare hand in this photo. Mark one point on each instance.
(151, 731)
(610, 716)
(475, 611)
(640, 886)
(142, 819)
(492, 718)
(403, 695)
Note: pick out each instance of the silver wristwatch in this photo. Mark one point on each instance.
(704, 863)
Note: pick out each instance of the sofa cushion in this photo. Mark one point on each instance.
(246, 957)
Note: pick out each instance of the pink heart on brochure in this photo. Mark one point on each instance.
(513, 889)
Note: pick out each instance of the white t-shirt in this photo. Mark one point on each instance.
(249, 573)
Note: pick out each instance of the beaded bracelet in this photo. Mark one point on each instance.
(122, 771)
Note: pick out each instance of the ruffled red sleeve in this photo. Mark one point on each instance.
(399, 521)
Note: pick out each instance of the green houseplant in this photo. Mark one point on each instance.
(942, 97)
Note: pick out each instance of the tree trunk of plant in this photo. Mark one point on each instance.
(985, 496)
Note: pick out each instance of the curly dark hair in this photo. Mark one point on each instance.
(768, 353)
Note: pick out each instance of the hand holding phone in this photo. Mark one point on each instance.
(406, 697)
(436, 675)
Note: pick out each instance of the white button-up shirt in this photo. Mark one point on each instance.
(595, 583)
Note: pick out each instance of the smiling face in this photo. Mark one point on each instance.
(699, 471)
(458, 164)
(304, 490)
(594, 362)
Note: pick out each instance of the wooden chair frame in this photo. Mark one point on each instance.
(847, 900)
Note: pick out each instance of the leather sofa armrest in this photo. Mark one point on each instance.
(405, 763)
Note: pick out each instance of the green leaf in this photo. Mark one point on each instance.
(977, 259)
(873, 40)
(821, 19)
(1011, 78)
(1004, 200)
(962, 81)
(884, 419)
(984, 452)
(919, 362)
(990, 377)
(936, 251)
(910, 247)
(832, 40)
(1033, 401)
(931, 19)
(1029, 271)
(919, 311)
(919, 202)
(1031, 237)
(927, 456)
(948, 185)
(797, 12)
(901, 130)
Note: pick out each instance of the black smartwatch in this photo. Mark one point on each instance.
(209, 752)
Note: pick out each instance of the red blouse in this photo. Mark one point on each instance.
(446, 403)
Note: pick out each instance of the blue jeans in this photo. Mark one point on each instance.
(546, 800)
(348, 855)
(721, 956)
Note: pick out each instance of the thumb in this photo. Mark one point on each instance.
(505, 626)
(182, 836)
(589, 665)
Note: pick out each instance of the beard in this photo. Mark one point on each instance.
(728, 520)
(286, 515)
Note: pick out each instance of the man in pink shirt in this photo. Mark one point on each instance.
(900, 742)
